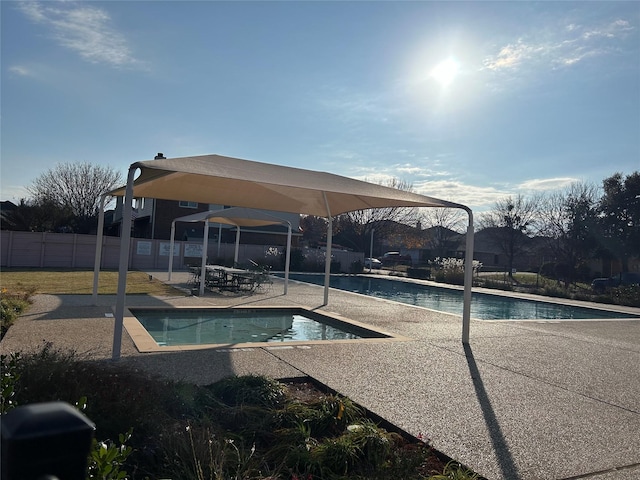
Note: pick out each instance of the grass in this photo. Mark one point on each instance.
(79, 282)
(244, 427)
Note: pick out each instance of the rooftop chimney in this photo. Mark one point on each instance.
(159, 156)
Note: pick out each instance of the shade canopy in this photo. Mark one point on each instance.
(232, 181)
(240, 217)
(216, 179)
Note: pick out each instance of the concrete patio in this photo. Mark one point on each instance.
(526, 400)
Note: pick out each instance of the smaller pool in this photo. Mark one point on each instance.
(213, 326)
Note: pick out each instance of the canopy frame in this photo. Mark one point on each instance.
(226, 180)
(237, 217)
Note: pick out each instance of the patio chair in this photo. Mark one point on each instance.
(216, 278)
(194, 278)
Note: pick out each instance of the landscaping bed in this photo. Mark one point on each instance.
(248, 427)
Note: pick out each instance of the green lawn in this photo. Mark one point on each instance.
(71, 281)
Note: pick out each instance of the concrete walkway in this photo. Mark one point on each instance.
(526, 400)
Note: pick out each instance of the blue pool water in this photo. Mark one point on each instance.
(483, 306)
(170, 327)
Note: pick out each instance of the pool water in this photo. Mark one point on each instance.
(483, 306)
(171, 327)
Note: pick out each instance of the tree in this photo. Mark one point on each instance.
(314, 229)
(569, 221)
(441, 230)
(510, 221)
(619, 211)
(29, 216)
(353, 229)
(77, 187)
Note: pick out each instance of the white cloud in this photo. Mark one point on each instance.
(84, 29)
(20, 70)
(573, 44)
(477, 198)
(512, 55)
(546, 184)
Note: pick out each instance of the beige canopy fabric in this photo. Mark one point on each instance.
(217, 179)
(244, 183)
(238, 216)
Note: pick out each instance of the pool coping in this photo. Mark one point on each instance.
(145, 343)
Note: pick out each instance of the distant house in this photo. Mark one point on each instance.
(152, 218)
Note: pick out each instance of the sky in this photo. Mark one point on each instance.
(465, 101)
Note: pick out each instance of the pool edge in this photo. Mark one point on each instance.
(145, 343)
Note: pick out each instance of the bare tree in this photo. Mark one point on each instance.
(78, 186)
(568, 220)
(510, 221)
(314, 229)
(441, 227)
(353, 229)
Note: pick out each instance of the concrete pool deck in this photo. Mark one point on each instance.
(525, 400)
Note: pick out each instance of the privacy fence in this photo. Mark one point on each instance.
(66, 250)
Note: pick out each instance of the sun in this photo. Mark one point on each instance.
(445, 72)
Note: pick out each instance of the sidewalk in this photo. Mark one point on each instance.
(526, 400)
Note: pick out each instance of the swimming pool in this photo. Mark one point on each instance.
(483, 306)
(171, 327)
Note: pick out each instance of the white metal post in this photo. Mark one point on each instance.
(468, 281)
(123, 266)
(327, 261)
(287, 261)
(98, 259)
(371, 251)
(203, 264)
(171, 243)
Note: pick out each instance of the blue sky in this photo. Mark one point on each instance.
(467, 101)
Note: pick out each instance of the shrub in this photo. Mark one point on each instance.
(246, 427)
(626, 295)
(451, 270)
(11, 306)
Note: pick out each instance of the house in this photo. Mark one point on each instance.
(152, 218)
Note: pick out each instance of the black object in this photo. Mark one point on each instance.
(45, 440)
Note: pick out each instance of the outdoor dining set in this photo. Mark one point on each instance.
(231, 279)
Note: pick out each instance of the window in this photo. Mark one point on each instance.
(188, 204)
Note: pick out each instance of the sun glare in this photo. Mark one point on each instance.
(445, 72)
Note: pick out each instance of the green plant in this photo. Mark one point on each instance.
(9, 376)
(11, 306)
(107, 458)
(454, 471)
(249, 390)
(242, 428)
(626, 295)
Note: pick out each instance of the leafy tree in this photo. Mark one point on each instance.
(619, 211)
(568, 221)
(31, 216)
(510, 221)
(77, 187)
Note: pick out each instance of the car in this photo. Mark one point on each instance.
(395, 258)
(625, 278)
(372, 263)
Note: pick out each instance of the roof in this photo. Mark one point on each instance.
(246, 183)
